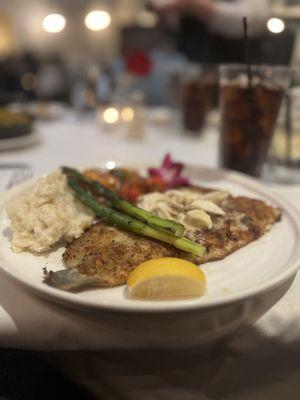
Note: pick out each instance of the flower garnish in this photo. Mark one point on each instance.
(170, 172)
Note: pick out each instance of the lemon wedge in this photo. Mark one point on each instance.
(166, 278)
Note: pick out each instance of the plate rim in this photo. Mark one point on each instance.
(67, 299)
(18, 142)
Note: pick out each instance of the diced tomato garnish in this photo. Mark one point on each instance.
(127, 183)
(108, 180)
(155, 183)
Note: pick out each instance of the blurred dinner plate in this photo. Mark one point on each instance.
(240, 288)
(44, 110)
(19, 142)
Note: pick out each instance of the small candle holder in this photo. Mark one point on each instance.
(125, 119)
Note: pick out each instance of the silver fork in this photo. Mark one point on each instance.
(20, 174)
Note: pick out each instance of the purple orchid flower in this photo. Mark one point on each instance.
(170, 173)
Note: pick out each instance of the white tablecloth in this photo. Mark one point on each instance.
(82, 142)
(260, 362)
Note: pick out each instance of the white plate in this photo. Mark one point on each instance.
(20, 142)
(46, 110)
(259, 267)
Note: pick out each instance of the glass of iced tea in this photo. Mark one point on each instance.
(249, 110)
(197, 91)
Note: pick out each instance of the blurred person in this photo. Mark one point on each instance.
(26, 66)
(167, 65)
(151, 72)
(212, 31)
(52, 82)
(104, 85)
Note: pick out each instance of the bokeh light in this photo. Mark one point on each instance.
(127, 114)
(28, 81)
(275, 25)
(54, 23)
(97, 20)
(110, 165)
(111, 115)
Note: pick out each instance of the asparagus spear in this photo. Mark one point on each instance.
(120, 204)
(128, 223)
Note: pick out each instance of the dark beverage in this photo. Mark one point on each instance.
(196, 99)
(248, 117)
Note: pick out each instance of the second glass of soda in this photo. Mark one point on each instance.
(249, 110)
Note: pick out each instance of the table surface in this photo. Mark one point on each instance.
(263, 356)
(74, 140)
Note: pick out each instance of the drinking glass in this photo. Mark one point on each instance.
(197, 90)
(249, 110)
(283, 164)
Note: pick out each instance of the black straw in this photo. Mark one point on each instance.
(246, 52)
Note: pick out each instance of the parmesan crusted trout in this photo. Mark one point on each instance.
(105, 255)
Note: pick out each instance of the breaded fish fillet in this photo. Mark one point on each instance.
(113, 253)
(105, 255)
(245, 220)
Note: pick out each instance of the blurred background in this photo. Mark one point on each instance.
(76, 51)
(121, 63)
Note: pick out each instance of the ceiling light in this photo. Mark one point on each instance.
(54, 23)
(275, 25)
(97, 20)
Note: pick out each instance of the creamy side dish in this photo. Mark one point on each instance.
(191, 208)
(45, 214)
